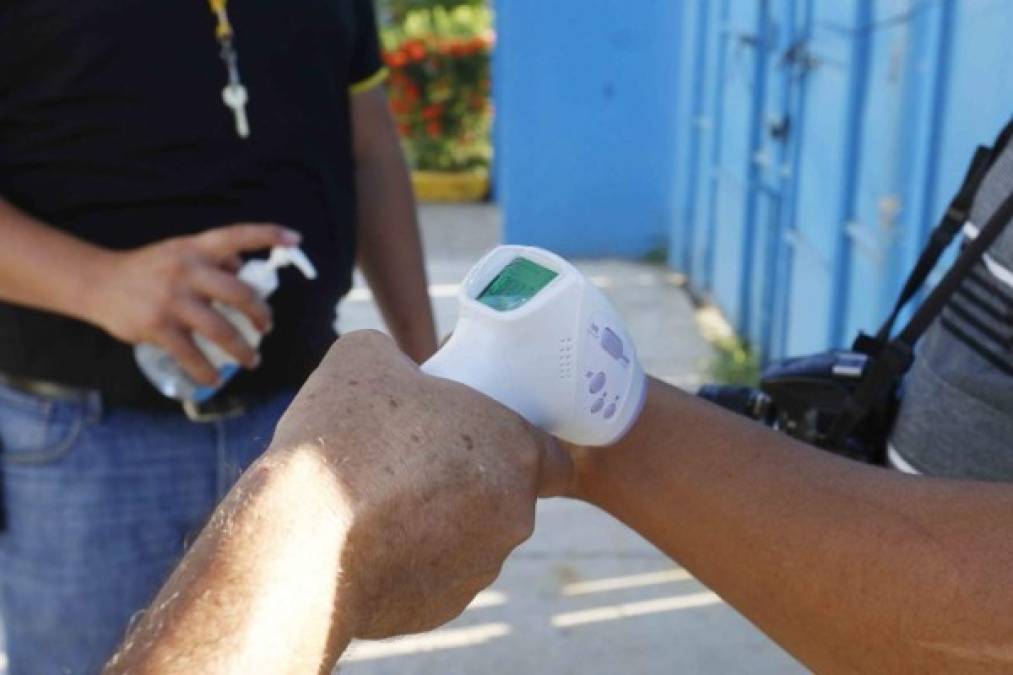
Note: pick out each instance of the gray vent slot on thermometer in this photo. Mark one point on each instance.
(566, 358)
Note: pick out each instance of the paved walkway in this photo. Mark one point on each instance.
(584, 595)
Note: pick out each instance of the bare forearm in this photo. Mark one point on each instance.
(390, 248)
(390, 253)
(258, 590)
(45, 268)
(850, 568)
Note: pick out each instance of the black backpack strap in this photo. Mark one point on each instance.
(972, 254)
(942, 236)
(895, 357)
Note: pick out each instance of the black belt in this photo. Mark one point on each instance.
(218, 408)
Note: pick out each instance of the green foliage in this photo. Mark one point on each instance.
(734, 363)
(396, 10)
(439, 54)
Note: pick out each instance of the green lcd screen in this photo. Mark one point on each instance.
(519, 281)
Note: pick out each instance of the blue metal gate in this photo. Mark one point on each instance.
(824, 140)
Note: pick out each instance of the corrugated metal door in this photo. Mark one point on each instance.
(773, 158)
(741, 82)
(825, 168)
(870, 270)
(700, 144)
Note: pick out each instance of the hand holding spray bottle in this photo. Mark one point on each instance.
(166, 374)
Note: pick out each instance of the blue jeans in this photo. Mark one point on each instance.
(101, 504)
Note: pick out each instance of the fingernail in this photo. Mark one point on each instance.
(291, 237)
(256, 362)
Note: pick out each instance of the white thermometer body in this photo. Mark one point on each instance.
(537, 336)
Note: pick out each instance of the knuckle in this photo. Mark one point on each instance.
(154, 321)
(155, 324)
(181, 267)
(245, 294)
(487, 579)
(220, 332)
(520, 530)
(368, 336)
(361, 341)
(528, 457)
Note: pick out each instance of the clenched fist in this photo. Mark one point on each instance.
(439, 481)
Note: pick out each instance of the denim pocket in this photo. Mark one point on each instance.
(36, 430)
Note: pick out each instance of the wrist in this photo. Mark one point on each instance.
(588, 471)
(602, 474)
(88, 297)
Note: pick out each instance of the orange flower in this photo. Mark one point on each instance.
(474, 46)
(405, 129)
(395, 59)
(434, 128)
(432, 112)
(415, 50)
(400, 106)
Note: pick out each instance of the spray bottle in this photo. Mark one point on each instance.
(166, 374)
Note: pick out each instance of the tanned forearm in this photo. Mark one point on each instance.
(45, 268)
(258, 590)
(390, 248)
(850, 568)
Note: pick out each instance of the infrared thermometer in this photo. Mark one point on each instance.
(534, 334)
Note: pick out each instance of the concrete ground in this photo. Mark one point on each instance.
(584, 595)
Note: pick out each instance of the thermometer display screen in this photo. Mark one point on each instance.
(519, 281)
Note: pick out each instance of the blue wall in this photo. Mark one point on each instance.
(793, 154)
(585, 94)
(817, 143)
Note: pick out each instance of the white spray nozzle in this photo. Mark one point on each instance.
(282, 256)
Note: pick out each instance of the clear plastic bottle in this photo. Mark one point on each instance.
(166, 374)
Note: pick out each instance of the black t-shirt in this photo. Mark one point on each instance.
(112, 128)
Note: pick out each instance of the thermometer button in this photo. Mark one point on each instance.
(597, 383)
(598, 405)
(610, 411)
(611, 343)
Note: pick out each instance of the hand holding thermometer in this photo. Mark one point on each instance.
(537, 336)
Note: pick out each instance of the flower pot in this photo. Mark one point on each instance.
(470, 185)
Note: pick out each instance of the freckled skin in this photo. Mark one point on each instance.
(476, 464)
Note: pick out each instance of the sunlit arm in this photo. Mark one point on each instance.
(850, 568)
(390, 249)
(258, 592)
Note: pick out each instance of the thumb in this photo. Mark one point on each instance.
(555, 470)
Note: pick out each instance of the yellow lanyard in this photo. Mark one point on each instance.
(234, 95)
(223, 31)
